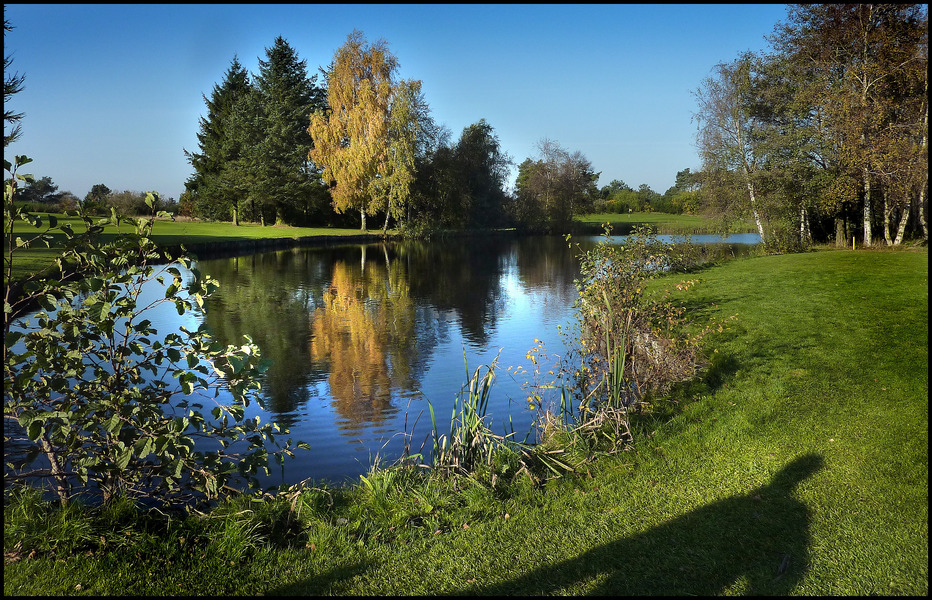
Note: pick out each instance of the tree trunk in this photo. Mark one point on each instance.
(841, 241)
(760, 226)
(235, 217)
(805, 235)
(901, 230)
(867, 209)
(385, 227)
(887, 213)
(58, 475)
(922, 211)
(362, 212)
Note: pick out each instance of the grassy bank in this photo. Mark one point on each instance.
(663, 223)
(167, 234)
(798, 464)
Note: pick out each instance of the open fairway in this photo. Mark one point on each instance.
(165, 234)
(664, 223)
(798, 464)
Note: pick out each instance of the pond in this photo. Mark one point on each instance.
(362, 338)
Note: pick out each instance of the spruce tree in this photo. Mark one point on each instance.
(212, 185)
(286, 183)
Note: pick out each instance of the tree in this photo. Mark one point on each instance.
(616, 185)
(351, 134)
(728, 136)
(483, 167)
(553, 188)
(98, 193)
(40, 190)
(287, 182)
(683, 196)
(212, 187)
(398, 167)
(12, 84)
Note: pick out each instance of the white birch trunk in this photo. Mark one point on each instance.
(805, 235)
(887, 214)
(901, 230)
(922, 211)
(867, 209)
(757, 221)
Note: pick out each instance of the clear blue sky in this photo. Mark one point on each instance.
(113, 92)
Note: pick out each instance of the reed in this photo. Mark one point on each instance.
(470, 442)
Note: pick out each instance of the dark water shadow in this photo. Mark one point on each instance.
(762, 536)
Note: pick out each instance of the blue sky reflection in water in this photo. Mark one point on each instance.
(362, 337)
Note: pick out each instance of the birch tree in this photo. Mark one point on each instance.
(351, 134)
(397, 170)
(727, 135)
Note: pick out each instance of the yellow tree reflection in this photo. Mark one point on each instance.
(364, 330)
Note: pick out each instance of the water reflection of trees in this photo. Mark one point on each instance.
(366, 319)
(268, 296)
(364, 331)
(462, 275)
(547, 264)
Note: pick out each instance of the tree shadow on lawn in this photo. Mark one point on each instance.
(321, 584)
(761, 537)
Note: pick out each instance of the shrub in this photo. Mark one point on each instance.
(629, 346)
(113, 407)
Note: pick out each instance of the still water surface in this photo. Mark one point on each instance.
(362, 337)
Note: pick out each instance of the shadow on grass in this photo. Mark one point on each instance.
(720, 369)
(319, 585)
(759, 540)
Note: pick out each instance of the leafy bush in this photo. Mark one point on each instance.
(629, 345)
(113, 408)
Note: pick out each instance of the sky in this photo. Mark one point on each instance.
(113, 93)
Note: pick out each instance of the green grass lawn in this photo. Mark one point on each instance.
(663, 223)
(798, 464)
(165, 234)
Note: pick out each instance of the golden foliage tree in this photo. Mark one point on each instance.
(351, 135)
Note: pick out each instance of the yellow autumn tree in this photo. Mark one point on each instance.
(396, 169)
(351, 135)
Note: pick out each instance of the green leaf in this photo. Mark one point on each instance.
(123, 458)
(113, 424)
(11, 338)
(35, 430)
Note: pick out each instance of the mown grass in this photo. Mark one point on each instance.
(797, 464)
(165, 234)
(663, 223)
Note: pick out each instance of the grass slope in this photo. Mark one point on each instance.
(797, 465)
